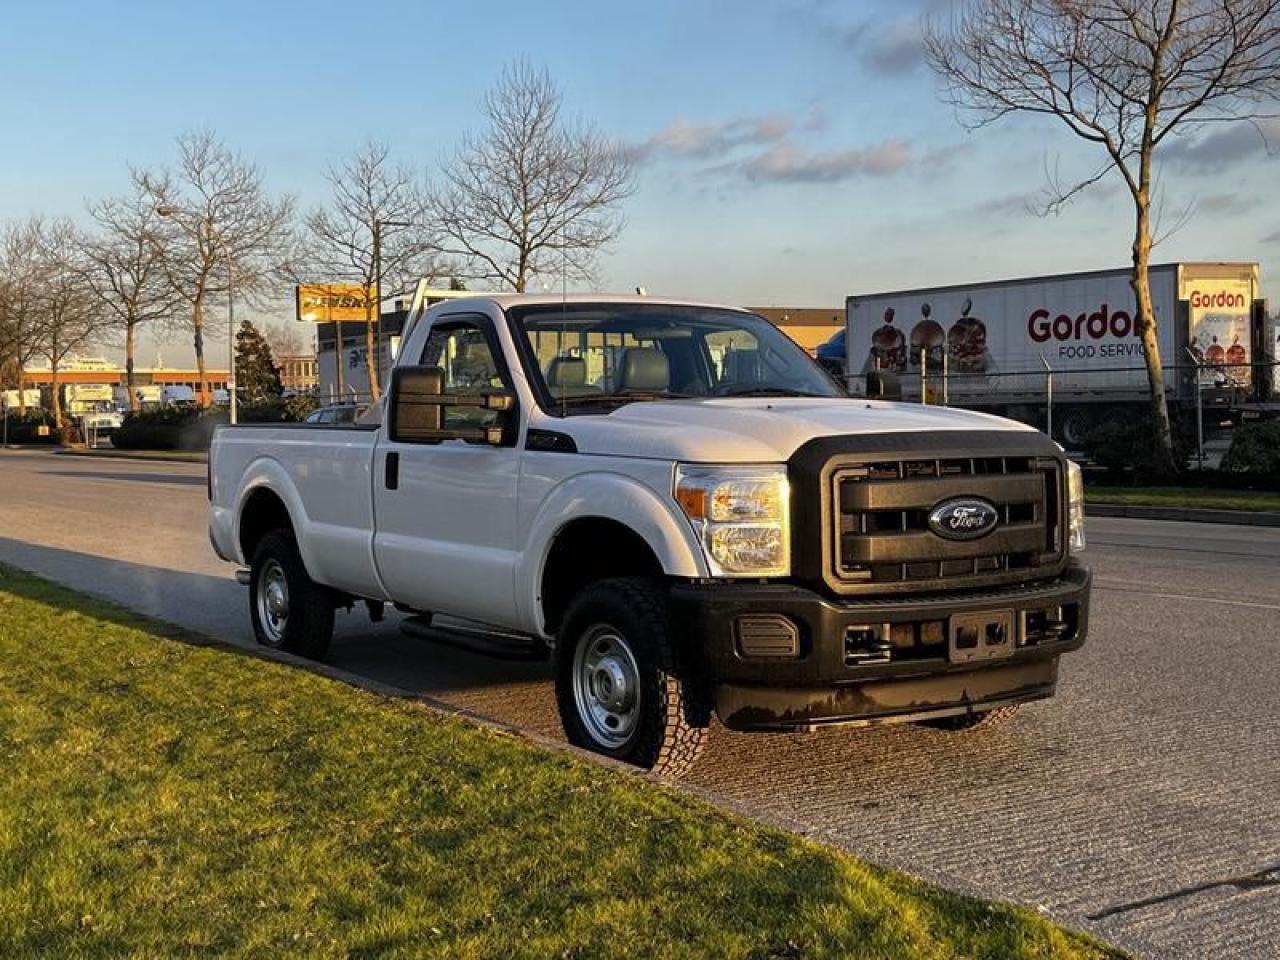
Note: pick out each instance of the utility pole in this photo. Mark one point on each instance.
(375, 363)
(231, 337)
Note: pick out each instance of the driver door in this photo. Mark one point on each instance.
(445, 513)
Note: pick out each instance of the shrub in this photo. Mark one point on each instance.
(278, 409)
(1129, 452)
(176, 426)
(25, 428)
(1255, 449)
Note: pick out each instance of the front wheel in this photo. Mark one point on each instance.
(619, 687)
(290, 611)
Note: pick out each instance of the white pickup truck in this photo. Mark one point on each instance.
(684, 511)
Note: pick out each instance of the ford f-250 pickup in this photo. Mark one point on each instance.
(684, 511)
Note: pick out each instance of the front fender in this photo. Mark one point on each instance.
(610, 496)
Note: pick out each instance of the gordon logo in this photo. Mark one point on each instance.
(1041, 325)
(964, 518)
(1221, 300)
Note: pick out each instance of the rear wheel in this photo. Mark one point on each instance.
(973, 721)
(290, 611)
(619, 687)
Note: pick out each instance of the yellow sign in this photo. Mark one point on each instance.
(334, 302)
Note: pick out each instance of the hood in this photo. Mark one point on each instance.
(752, 429)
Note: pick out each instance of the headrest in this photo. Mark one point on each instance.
(644, 368)
(471, 353)
(742, 366)
(567, 372)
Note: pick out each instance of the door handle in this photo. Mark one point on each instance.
(392, 473)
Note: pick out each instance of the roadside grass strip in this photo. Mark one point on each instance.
(167, 799)
(1189, 497)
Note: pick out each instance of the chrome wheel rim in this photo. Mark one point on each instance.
(606, 686)
(273, 601)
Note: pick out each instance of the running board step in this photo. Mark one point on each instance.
(499, 645)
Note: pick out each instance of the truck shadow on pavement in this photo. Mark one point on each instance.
(167, 478)
(215, 609)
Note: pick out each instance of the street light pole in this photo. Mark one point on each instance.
(231, 337)
(376, 366)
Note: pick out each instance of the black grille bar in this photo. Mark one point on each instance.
(881, 536)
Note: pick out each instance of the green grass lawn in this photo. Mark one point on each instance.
(166, 799)
(1220, 499)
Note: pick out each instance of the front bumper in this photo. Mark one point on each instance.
(824, 679)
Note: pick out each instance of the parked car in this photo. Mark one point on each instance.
(677, 505)
(831, 355)
(337, 413)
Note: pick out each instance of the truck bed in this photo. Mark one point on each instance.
(328, 470)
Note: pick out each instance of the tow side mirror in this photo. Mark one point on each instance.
(416, 405)
(883, 385)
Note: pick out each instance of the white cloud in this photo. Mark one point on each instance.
(892, 47)
(786, 164)
(1223, 147)
(707, 141)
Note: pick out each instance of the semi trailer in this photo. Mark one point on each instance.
(1065, 350)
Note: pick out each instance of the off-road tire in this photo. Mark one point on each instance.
(973, 721)
(674, 712)
(309, 623)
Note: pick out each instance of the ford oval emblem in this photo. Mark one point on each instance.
(964, 518)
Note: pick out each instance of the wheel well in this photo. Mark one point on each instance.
(587, 550)
(262, 513)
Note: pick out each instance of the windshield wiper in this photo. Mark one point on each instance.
(624, 396)
(768, 392)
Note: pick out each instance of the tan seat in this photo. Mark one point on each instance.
(644, 368)
(567, 377)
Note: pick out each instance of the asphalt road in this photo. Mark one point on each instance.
(1140, 803)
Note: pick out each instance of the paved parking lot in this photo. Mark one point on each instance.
(1140, 803)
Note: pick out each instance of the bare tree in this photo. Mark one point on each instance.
(66, 316)
(283, 338)
(1124, 75)
(124, 268)
(226, 235)
(20, 313)
(532, 194)
(375, 223)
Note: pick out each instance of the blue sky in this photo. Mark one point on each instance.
(795, 151)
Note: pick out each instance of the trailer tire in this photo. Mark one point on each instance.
(964, 722)
(289, 610)
(620, 687)
(1076, 425)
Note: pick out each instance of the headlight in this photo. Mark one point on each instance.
(1075, 507)
(741, 516)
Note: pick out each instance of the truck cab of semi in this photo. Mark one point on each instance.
(679, 507)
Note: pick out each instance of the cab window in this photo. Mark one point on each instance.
(462, 350)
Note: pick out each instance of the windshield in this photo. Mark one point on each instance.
(593, 356)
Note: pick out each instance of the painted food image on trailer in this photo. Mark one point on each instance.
(888, 347)
(967, 343)
(928, 340)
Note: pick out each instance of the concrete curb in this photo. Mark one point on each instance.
(1247, 518)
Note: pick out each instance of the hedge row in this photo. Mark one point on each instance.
(25, 428)
(185, 426)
